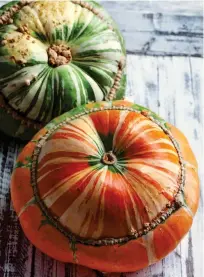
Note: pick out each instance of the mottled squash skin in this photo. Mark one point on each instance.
(54, 57)
(108, 185)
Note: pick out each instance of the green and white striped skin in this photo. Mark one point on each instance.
(32, 92)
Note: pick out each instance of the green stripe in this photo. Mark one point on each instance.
(40, 36)
(86, 85)
(22, 90)
(81, 87)
(97, 53)
(36, 96)
(99, 75)
(57, 101)
(45, 114)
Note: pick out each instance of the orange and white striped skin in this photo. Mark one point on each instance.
(96, 200)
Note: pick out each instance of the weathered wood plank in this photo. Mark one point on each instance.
(79, 271)
(43, 263)
(195, 118)
(14, 247)
(181, 7)
(160, 27)
(166, 79)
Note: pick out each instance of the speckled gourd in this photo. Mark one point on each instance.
(108, 185)
(55, 55)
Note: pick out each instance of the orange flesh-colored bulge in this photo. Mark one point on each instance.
(131, 256)
(92, 200)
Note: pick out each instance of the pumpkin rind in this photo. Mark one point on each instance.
(65, 193)
(32, 91)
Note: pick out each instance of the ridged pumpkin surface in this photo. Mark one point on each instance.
(55, 56)
(109, 185)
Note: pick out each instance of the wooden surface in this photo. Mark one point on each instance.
(160, 27)
(167, 78)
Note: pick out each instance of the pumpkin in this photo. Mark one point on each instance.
(108, 185)
(56, 56)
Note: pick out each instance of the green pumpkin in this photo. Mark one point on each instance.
(56, 56)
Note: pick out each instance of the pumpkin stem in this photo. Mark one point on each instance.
(59, 55)
(109, 158)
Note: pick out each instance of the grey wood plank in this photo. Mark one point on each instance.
(80, 271)
(195, 119)
(43, 263)
(160, 27)
(168, 6)
(14, 247)
(166, 79)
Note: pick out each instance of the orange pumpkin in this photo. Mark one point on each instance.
(108, 185)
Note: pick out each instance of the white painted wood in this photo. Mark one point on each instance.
(142, 77)
(182, 7)
(160, 27)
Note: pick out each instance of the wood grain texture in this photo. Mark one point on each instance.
(170, 86)
(160, 27)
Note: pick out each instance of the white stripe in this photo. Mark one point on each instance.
(73, 145)
(161, 140)
(148, 195)
(74, 216)
(96, 89)
(73, 74)
(63, 186)
(123, 115)
(107, 66)
(109, 45)
(136, 212)
(158, 151)
(149, 244)
(174, 168)
(33, 114)
(140, 134)
(98, 204)
(31, 202)
(85, 18)
(151, 171)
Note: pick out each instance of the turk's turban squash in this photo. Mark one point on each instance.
(56, 55)
(108, 185)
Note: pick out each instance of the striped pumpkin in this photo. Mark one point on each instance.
(55, 56)
(110, 186)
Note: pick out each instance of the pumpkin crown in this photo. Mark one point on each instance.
(109, 158)
(54, 57)
(108, 174)
(59, 55)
